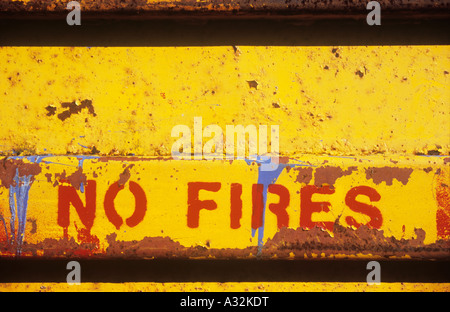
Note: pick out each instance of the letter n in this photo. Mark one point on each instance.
(68, 195)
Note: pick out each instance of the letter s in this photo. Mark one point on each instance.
(376, 219)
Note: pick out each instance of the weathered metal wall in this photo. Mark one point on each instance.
(87, 171)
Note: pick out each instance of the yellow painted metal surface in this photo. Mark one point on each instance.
(226, 287)
(156, 208)
(348, 100)
(364, 132)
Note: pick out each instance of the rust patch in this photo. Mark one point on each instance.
(49, 177)
(346, 241)
(75, 108)
(433, 152)
(9, 168)
(33, 225)
(388, 174)
(304, 175)
(165, 247)
(125, 175)
(94, 150)
(51, 110)
(427, 170)
(158, 247)
(443, 201)
(50, 248)
(253, 84)
(329, 175)
(359, 73)
(75, 179)
(286, 243)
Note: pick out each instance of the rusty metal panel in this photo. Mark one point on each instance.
(310, 207)
(87, 169)
(235, 8)
(381, 191)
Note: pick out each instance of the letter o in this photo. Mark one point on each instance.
(140, 204)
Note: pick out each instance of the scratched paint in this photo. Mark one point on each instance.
(69, 222)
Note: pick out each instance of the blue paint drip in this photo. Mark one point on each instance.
(18, 204)
(4, 225)
(268, 173)
(18, 197)
(81, 159)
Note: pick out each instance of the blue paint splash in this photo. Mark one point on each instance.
(18, 202)
(268, 173)
(18, 197)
